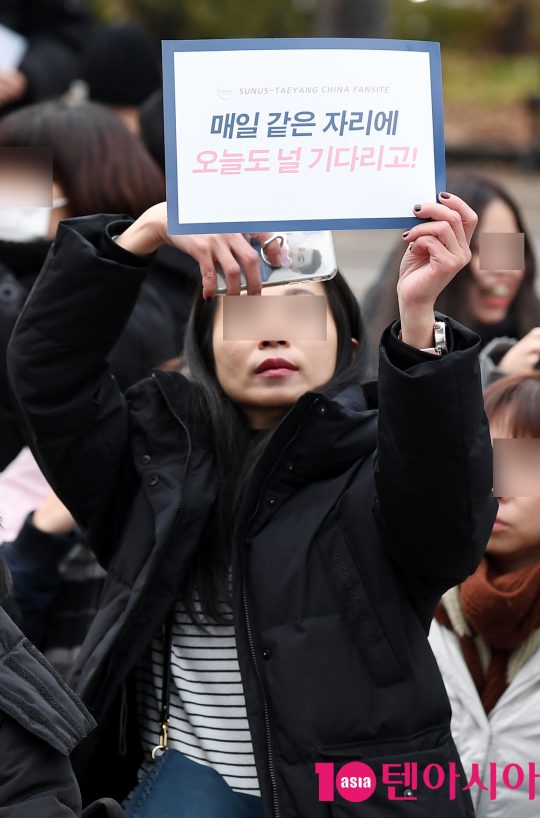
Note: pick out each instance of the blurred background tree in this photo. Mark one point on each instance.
(201, 19)
(234, 18)
(498, 26)
(490, 48)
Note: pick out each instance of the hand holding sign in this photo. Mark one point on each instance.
(230, 250)
(437, 251)
(233, 253)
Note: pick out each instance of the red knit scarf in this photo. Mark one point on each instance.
(503, 609)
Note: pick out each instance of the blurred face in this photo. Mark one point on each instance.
(515, 539)
(264, 378)
(492, 291)
(22, 186)
(27, 209)
(301, 257)
(25, 220)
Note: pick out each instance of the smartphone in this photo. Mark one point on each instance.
(305, 256)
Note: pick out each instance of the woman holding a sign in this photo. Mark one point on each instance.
(276, 543)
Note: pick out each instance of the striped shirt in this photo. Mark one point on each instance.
(207, 716)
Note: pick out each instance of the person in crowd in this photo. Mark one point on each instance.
(55, 32)
(94, 155)
(121, 69)
(275, 544)
(486, 632)
(56, 582)
(510, 356)
(41, 721)
(503, 307)
(22, 489)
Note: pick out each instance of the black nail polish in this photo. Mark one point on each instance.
(444, 195)
(418, 207)
(405, 234)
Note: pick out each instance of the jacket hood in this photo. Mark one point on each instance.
(319, 447)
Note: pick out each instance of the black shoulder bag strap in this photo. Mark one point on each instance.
(107, 807)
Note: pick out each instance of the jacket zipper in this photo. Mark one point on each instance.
(278, 458)
(172, 529)
(271, 766)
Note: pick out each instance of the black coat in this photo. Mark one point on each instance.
(41, 721)
(354, 524)
(56, 31)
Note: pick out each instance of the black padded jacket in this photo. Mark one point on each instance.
(355, 522)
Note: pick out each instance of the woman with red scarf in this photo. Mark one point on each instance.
(486, 632)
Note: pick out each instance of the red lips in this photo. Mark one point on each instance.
(274, 363)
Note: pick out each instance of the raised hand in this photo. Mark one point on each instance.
(524, 356)
(230, 250)
(437, 251)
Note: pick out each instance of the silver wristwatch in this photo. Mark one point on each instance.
(439, 331)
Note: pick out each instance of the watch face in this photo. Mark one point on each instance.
(439, 330)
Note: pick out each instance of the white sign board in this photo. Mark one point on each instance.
(301, 134)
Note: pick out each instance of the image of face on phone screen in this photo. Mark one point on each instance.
(305, 256)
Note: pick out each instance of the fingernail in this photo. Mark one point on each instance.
(418, 207)
(405, 234)
(444, 195)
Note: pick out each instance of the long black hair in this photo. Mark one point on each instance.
(237, 451)
(380, 304)
(5, 581)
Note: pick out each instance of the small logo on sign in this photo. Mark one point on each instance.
(224, 92)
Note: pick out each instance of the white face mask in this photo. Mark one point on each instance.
(27, 223)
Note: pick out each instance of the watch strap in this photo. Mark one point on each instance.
(439, 333)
